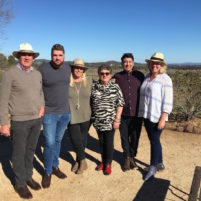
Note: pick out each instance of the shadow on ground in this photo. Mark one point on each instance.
(5, 157)
(154, 190)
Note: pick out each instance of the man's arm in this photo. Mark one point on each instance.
(5, 91)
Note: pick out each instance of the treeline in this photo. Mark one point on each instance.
(6, 62)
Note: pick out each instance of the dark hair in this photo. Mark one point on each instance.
(127, 55)
(104, 67)
(57, 47)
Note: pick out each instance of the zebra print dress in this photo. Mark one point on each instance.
(104, 101)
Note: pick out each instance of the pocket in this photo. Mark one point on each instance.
(47, 119)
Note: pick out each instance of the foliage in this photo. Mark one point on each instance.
(5, 13)
(187, 94)
(6, 62)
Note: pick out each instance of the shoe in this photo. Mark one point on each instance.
(58, 173)
(100, 167)
(75, 167)
(82, 166)
(126, 165)
(107, 170)
(160, 167)
(46, 181)
(33, 184)
(23, 192)
(132, 163)
(151, 173)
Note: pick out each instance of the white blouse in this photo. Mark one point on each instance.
(156, 97)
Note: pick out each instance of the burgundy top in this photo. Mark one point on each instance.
(130, 85)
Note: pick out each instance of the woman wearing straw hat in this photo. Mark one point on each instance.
(156, 100)
(79, 101)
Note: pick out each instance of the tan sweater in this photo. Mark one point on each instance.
(21, 95)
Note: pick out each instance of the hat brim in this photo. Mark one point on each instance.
(16, 54)
(158, 61)
(74, 66)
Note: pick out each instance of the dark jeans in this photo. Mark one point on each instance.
(130, 129)
(25, 136)
(106, 140)
(154, 138)
(78, 135)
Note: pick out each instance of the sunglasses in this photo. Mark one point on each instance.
(104, 74)
(25, 54)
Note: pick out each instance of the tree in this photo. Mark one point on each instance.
(5, 14)
(11, 60)
(187, 94)
(3, 61)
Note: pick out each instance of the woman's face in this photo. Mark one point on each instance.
(104, 76)
(78, 72)
(154, 67)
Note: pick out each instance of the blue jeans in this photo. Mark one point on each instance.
(154, 138)
(54, 126)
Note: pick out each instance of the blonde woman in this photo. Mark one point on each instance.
(79, 101)
(156, 99)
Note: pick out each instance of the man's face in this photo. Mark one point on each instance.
(58, 57)
(128, 64)
(26, 59)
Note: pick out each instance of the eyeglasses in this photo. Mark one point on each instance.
(104, 74)
(25, 54)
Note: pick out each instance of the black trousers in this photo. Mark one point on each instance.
(106, 140)
(130, 129)
(78, 136)
(25, 136)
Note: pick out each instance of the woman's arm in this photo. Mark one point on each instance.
(117, 119)
(161, 123)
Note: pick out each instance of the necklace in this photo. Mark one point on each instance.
(77, 89)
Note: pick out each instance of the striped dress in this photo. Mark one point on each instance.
(104, 101)
(156, 97)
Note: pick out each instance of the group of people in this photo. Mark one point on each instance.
(59, 96)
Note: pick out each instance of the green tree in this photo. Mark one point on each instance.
(11, 60)
(3, 61)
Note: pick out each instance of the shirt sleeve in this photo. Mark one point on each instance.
(167, 95)
(5, 91)
(120, 98)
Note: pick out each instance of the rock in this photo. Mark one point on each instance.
(196, 130)
(189, 128)
(180, 128)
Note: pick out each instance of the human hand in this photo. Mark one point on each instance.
(5, 130)
(41, 113)
(116, 125)
(161, 124)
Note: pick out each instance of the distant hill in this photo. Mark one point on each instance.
(116, 64)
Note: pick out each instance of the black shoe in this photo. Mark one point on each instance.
(33, 184)
(23, 192)
(58, 173)
(46, 181)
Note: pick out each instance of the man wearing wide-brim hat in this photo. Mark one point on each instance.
(22, 98)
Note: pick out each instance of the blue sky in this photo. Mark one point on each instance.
(102, 30)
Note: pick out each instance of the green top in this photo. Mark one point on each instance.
(79, 101)
(21, 95)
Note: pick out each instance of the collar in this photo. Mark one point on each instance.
(21, 67)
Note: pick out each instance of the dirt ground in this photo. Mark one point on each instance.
(181, 153)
